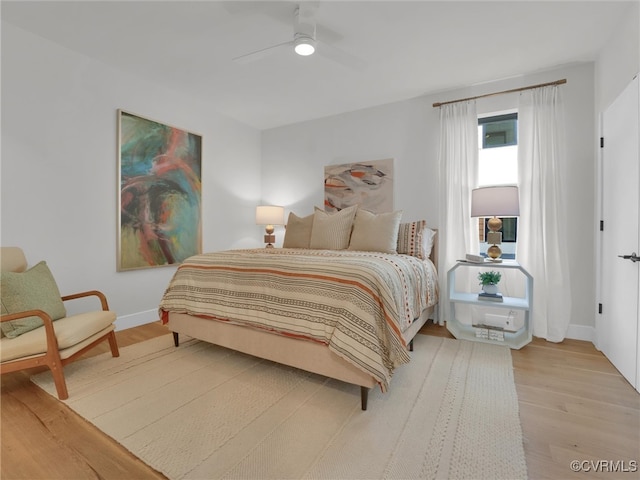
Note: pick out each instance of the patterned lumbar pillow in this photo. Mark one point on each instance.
(34, 289)
(332, 231)
(416, 239)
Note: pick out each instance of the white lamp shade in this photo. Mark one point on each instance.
(269, 215)
(495, 202)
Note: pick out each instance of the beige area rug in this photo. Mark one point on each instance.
(203, 412)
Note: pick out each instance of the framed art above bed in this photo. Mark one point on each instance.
(366, 184)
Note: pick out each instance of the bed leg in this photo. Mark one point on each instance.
(364, 396)
(411, 345)
(176, 340)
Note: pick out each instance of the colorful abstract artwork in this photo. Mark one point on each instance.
(367, 184)
(159, 216)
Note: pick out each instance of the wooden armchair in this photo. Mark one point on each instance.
(35, 337)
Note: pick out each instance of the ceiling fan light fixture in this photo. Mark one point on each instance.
(304, 45)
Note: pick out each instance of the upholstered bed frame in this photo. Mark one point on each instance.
(309, 356)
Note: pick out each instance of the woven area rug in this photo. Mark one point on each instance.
(201, 411)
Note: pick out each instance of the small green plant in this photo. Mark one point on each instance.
(489, 278)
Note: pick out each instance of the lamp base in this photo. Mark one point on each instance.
(494, 252)
(494, 236)
(269, 239)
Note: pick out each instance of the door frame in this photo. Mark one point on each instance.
(600, 324)
(599, 320)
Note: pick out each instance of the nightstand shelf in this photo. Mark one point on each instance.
(486, 333)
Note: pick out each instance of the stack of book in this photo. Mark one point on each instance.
(490, 334)
(490, 297)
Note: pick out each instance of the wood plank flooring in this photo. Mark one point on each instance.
(574, 405)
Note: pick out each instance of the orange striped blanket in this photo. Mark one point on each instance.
(356, 303)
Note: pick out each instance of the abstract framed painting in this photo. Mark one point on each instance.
(159, 193)
(367, 184)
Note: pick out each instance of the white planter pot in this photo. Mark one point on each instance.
(491, 289)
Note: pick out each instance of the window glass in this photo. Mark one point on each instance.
(498, 165)
(498, 150)
(499, 130)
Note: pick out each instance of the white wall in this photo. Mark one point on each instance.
(294, 157)
(619, 60)
(616, 65)
(59, 169)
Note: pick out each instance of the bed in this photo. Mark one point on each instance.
(346, 314)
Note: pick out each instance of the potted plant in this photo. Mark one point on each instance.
(489, 281)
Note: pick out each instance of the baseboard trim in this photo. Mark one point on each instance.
(581, 332)
(574, 332)
(136, 319)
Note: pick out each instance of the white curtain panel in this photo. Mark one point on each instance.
(541, 246)
(458, 160)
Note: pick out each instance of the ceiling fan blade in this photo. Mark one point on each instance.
(237, 7)
(262, 53)
(304, 24)
(340, 56)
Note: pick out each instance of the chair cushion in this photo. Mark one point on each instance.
(34, 289)
(69, 331)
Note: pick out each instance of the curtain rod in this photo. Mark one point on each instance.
(557, 82)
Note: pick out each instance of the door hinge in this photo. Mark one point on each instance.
(601, 142)
(600, 308)
(602, 225)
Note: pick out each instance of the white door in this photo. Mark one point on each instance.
(618, 328)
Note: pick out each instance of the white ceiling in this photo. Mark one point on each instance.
(400, 49)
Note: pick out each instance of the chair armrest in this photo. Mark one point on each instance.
(29, 313)
(100, 295)
(52, 341)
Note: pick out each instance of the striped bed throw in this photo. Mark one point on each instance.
(356, 303)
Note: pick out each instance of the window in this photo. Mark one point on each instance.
(498, 150)
(499, 130)
(498, 165)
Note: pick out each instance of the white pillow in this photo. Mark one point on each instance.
(375, 232)
(298, 231)
(332, 231)
(427, 241)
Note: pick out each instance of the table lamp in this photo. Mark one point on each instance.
(269, 215)
(495, 202)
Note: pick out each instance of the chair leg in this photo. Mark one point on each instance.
(58, 379)
(113, 344)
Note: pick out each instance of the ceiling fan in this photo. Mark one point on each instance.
(306, 41)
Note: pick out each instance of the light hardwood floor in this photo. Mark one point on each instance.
(574, 405)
